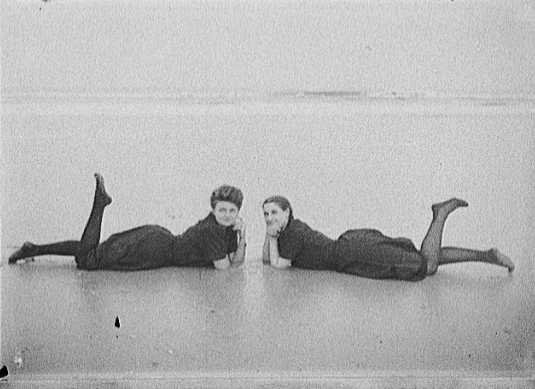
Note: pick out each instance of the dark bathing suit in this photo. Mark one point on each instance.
(152, 246)
(362, 252)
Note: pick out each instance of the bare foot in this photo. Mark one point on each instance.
(24, 252)
(501, 259)
(100, 190)
(446, 207)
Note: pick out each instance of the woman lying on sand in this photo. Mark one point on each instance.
(218, 240)
(364, 252)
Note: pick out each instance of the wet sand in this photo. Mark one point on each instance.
(257, 321)
(342, 169)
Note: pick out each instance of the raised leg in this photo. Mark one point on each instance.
(431, 245)
(79, 249)
(91, 235)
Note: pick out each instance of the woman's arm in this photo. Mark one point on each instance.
(275, 259)
(265, 251)
(238, 257)
(222, 264)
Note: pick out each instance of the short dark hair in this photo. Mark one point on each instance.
(227, 193)
(282, 202)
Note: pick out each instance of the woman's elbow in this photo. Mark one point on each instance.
(237, 262)
(222, 264)
(280, 265)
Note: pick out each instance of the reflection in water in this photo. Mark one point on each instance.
(56, 318)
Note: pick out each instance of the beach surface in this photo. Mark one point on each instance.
(377, 165)
(362, 113)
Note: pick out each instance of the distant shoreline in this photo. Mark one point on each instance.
(280, 103)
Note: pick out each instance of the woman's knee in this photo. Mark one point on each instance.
(432, 268)
(87, 260)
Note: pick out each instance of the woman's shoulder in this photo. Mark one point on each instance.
(210, 228)
(202, 226)
(302, 229)
(298, 223)
(297, 226)
(209, 223)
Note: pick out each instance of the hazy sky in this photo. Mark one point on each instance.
(474, 47)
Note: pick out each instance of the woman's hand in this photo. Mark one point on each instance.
(239, 225)
(273, 230)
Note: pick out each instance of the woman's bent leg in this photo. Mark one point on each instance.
(431, 245)
(91, 235)
(79, 249)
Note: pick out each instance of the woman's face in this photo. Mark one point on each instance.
(225, 213)
(275, 216)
